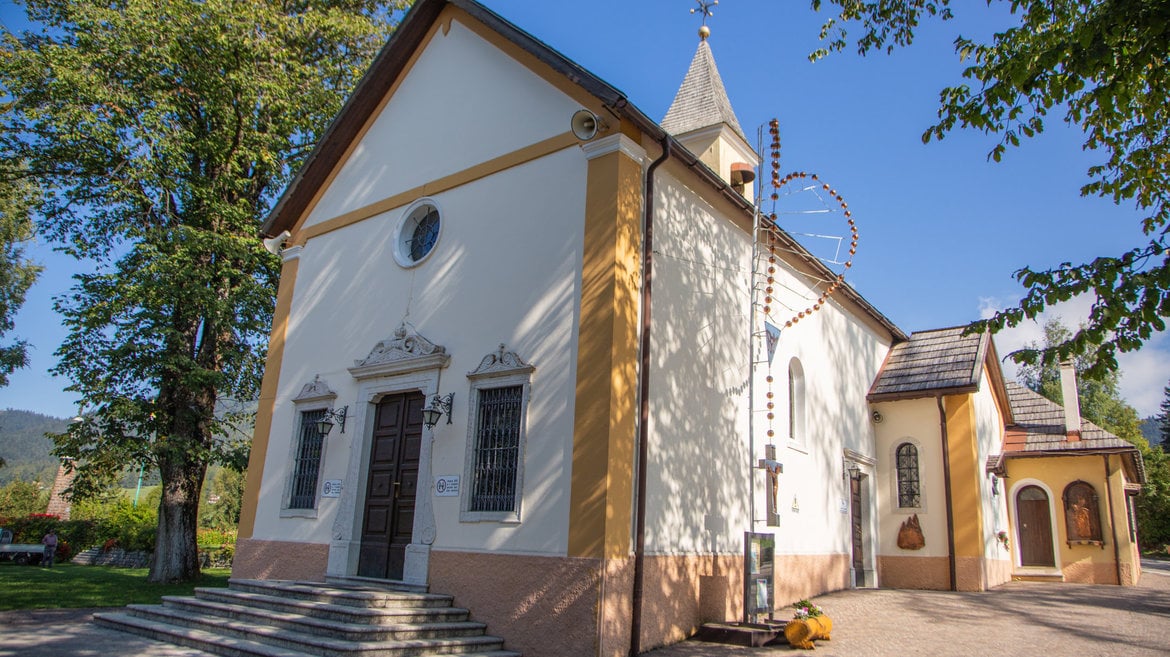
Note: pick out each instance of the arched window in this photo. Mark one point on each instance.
(1082, 512)
(909, 489)
(795, 401)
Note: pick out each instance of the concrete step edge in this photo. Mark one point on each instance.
(294, 620)
(352, 597)
(358, 582)
(218, 644)
(301, 640)
(370, 615)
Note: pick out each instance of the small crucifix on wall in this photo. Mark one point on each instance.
(773, 468)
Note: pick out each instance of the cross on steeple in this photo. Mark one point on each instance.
(704, 11)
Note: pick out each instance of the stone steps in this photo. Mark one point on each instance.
(297, 622)
(116, 557)
(356, 582)
(341, 613)
(340, 595)
(257, 618)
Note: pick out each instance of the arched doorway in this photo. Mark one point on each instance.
(1034, 523)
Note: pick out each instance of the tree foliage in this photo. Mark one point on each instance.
(1099, 396)
(22, 498)
(17, 272)
(221, 511)
(1163, 419)
(1104, 65)
(161, 132)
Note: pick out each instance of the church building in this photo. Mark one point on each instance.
(530, 366)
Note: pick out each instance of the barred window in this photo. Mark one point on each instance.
(308, 462)
(909, 489)
(497, 449)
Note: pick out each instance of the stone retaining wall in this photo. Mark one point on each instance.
(120, 558)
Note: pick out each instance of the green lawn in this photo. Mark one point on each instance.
(68, 585)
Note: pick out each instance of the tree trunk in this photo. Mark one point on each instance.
(176, 553)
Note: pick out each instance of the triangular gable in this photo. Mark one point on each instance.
(461, 102)
(386, 73)
(377, 85)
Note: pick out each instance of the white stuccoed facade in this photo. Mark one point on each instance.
(475, 123)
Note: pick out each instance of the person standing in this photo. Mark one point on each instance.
(50, 543)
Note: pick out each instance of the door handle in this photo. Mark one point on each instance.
(396, 485)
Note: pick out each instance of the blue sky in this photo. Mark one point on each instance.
(942, 229)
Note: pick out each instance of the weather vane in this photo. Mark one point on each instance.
(704, 11)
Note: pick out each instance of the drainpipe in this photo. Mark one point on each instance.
(946, 454)
(1112, 522)
(644, 403)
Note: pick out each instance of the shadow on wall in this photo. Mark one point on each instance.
(698, 487)
(699, 463)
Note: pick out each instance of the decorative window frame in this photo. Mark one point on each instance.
(502, 369)
(923, 473)
(1096, 529)
(903, 475)
(404, 362)
(315, 395)
(797, 406)
(399, 244)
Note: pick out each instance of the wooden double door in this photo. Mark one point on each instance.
(391, 486)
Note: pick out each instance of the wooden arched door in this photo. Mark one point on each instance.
(1034, 527)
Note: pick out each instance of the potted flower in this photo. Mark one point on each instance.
(808, 623)
(1002, 538)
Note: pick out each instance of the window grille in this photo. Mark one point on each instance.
(497, 449)
(909, 491)
(308, 462)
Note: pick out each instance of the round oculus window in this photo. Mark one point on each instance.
(417, 233)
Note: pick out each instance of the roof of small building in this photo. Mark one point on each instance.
(1039, 429)
(701, 101)
(1041, 423)
(940, 361)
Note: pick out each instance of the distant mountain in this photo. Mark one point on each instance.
(25, 449)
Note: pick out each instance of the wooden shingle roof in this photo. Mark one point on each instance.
(1039, 430)
(942, 361)
(1041, 422)
(702, 100)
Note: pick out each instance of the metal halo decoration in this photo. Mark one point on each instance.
(774, 232)
(776, 237)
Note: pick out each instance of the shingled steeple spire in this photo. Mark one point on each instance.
(701, 101)
(702, 120)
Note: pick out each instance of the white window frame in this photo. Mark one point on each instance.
(314, 396)
(797, 405)
(503, 369)
(400, 248)
(923, 473)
